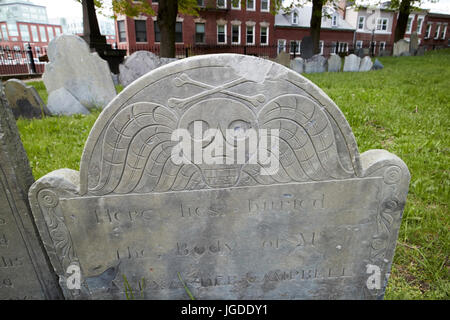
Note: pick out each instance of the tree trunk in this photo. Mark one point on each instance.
(167, 19)
(402, 21)
(316, 22)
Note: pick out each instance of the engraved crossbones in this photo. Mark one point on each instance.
(185, 79)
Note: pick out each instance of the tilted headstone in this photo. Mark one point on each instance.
(316, 64)
(138, 64)
(62, 102)
(297, 65)
(84, 74)
(306, 49)
(322, 226)
(401, 47)
(366, 64)
(377, 65)
(413, 43)
(25, 272)
(351, 63)
(283, 58)
(24, 100)
(334, 63)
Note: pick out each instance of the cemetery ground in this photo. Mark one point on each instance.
(404, 108)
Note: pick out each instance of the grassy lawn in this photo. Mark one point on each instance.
(404, 108)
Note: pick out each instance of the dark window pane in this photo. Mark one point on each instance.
(122, 32)
(141, 30)
(157, 33)
(179, 32)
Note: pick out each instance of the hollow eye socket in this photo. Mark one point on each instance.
(239, 129)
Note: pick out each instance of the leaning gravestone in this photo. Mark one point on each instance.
(297, 65)
(24, 100)
(138, 64)
(322, 226)
(84, 74)
(334, 63)
(401, 47)
(25, 272)
(351, 63)
(306, 49)
(413, 43)
(283, 58)
(366, 64)
(316, 64)
(62, 102)
(377, 65)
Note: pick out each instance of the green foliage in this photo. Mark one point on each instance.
(404, 108)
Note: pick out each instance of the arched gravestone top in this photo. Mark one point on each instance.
(307, 232)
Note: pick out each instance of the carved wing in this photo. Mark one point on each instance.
(135, 154)
(307, 144)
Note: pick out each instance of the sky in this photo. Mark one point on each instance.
(72, 9)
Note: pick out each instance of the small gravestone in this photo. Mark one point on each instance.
(360, 52)
(351, 63)
(420, 51)
(306, 49)
(377, 65)
(401, 47)
(62, 102)
(334, 63)
(25, 272)
(138, 64)
(316, 64)
(24, 100)
(384, 53)
(413, 43)
(316, 221)
(84, 74)
(283, 58)
(297, 65)
(405, 54)
(366, 64)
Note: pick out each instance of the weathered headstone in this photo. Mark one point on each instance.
(360, 52)
(366, 64)
(84, 74)
(24, 100)
(334, 63)
(420, 51)
(283, 58)
(316, 64)
(25, 272)
(351, 63)
(377, 65)
(384, 53)
(400, 47)
(306, 49)
(322, 226)
(138, 64)
(413, 43)
(62, 102)
(297, 65)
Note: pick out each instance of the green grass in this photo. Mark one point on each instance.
(404, 108)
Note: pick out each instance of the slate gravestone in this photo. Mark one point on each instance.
(334, 63)
(84, 74)
(306, 49)
(284, 58)
(25, 272)
(377, 65)
(366, 64)
(323, 226)
(401, 47)
(316, 64)
(413, 43)
(351, 63)
(138, 64)
(297, 65)
(24, 100)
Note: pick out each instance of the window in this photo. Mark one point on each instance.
(236, 4)
(179, 32)
(359, 44)
(321, 46)
(201, 3)
(250, 34)
(343, 47)
(436, 32)
(382, 24)
(265, 5)
(43, 34)
(295, 47)
(5, 32)
(444, 32)
(294, 18)
(334, 20)
(382, 46)
(361, 23)
(25, 34)
(13, 31)
(251, 5)
(221, 4)
(419, 25)
(140, 27)
(264, 36)
(199, 33)
(157, 32)
(281, 45)
(57, 31)
(51, 34)
(428, 31)
(235, 34)
(409, 25)
(221, 33)
(122, 32)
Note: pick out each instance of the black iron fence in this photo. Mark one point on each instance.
(17, 61)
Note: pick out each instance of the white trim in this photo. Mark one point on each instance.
(250, 9)
(236, 22)
(321, 45)
(268, 6)
(278, 45)
(444, 31)
(254, 35)
(236, 8)
(298, 46)
(428, 30)
(437, 30)
(381, 24)
(239, 33)
(419, 29)
(359, 44)
(340, 45)
(267, 36)
(408, 30)
(225, 33)
(382, 44)
(295, 14)
(363, 23)
(224, 4)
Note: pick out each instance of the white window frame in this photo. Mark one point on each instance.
(334, 20)
(428, 30)
(382, 45)
(254, 35)
(419, 27)
(298, 46)
(224, 6)
(321, 45)
(278, 45)
(239, 33)
(250, 9)
(295, 17)
(267, 36)
(225, 31)
(268, 6)
(363, 22)
(202, 5)
(380, 24)
(444, 32)
(437, 31)
(238, 5)
(408, 30)
(359, 44)
(343, 45)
